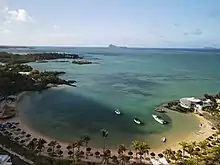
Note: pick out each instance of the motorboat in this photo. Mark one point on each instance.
(117, 112)
(159, 119)
(138, 121)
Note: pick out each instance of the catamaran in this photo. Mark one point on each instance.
(117, 112)
(159, 119)
(137, 121)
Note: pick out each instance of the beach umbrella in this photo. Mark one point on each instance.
(34, 139)
(58, 146)
(69, 147)
(130, 153)
(81, 153)
(19, 129)
(70, 153)
(114, 157)
(108, 151)
(97, 153)
(28, 135)
(17, 138)
(60, 152)
(152, 154)
(211, 137)
(88, 149)
(160, 155)
(197, 149)
(22, 141)
(49, 150)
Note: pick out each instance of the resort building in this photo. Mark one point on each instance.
(195, 103)
(189, 102)
(24, 73)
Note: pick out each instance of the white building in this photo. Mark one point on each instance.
(24, 73)
(189, 102)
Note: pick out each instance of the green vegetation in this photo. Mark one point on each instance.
(6, 57)
(81, 62)
(12, 82)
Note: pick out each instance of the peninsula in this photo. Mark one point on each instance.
(6, 57)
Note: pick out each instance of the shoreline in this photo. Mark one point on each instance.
(203, 132)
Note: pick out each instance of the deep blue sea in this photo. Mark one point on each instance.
(132, 80)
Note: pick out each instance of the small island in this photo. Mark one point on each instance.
(81, 62)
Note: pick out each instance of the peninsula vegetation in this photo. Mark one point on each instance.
(6, 57)
(16, 78)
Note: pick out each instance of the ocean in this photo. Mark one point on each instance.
(135, 81)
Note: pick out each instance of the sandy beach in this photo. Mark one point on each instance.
(173, 142)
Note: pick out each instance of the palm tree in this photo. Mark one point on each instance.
(104, 133)
(168, 154)
(40, 144)
(106, 156)
(136, 146)
(144, 148)
(179, 155)
(190, 150)
(86, 140)
(52, 144)
(79, 143)
(121, 151)
(184, 146)
(70, 153)
(74, 145)
(203, 145)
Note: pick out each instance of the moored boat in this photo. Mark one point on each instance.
(117, 112)
(159, 119)
(138, 121)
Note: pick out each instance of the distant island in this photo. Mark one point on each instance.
(209, 48)
(114, 46)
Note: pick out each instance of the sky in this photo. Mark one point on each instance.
(133, 23)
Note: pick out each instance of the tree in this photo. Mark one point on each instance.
(203, 145)
(184, 146)
(86, 140)
(104, 133)
(121, 152)
(52, 144)
(40, 144)
(144, 148)
(106, 156)
(168, 153)
(136, 146)
(79, 143)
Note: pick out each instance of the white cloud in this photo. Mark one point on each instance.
(56, 27)
(4, 30)
(20, 15)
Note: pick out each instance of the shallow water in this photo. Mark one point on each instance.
(133, 80)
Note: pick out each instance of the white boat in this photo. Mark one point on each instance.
(159, 119)
(117, 112)
(137, 121)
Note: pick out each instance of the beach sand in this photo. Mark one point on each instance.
(173, 140)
